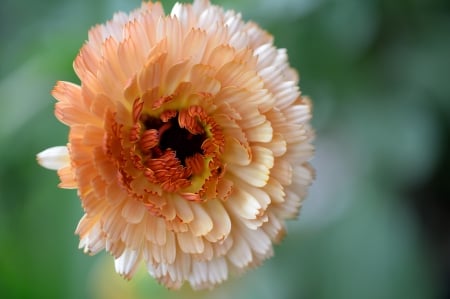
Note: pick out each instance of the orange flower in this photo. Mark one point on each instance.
(188, 143)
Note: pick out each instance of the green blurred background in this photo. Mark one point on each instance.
(376, 223)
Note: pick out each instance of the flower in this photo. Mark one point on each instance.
(189, 143)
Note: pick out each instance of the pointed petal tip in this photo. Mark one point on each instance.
(54, 158)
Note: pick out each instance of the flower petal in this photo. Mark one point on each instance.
(221, 221)
(126, 264)
(201, 223)
(258, 171)
(54, 158)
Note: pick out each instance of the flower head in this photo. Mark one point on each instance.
(189, 143)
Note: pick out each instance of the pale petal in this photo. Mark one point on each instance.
(190, 243)
(126, 264)
(260, 133)
(221, 55)
(259, 194)
(286, 94)
(221, 221)
(132, 235)
(208, 15)
(282, 171)
(208, 273)
(202, 223)
(277, 145)
(183, 209)
(275, 190)
(291, 206)
(94, 241)
(175, 75)
(218, 270)
(236, 152)
(194, 45)
(54, 157)
(297, 113)
(202, 79)
(133, 211)
(199, 274)
(115, 248)
(243, 204)
(169, 249)
(156, 230)
(302, 175)
(256, 223)
(274, 228)
(266, 54)
(258, 171)
(240, 255)
(113, 223)
(258, 240)
(222, 246)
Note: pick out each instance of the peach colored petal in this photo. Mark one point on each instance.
(190, 243)
(133, 211)
(240, 254)
(67, 178)
(257, 173)
(237, 152)
(201, 223)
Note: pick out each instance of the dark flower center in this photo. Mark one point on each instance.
(177, 150)
(172, 137)
(184, 143)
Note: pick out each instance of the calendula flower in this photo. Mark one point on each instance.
(189, 143)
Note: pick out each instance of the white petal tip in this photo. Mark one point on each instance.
(54, 158)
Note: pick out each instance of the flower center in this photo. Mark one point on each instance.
(175, 150)
(172, 137)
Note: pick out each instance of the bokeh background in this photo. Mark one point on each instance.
(376, 223)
